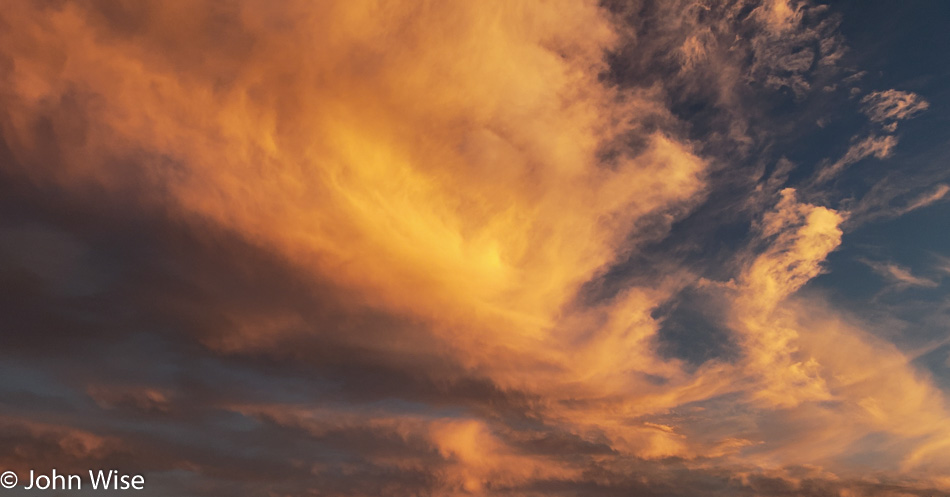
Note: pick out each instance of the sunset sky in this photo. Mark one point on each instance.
(477, 247)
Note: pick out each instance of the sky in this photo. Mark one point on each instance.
(455, 248)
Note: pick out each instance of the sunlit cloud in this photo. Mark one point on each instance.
(879, 147)
(449, 248)
(899, 275)
(926, 199)
(892, 105)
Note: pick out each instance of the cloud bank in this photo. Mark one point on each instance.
(437, 248)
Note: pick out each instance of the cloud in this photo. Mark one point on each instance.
(884, 398)
(892, 105)
(801, 236)
(435, 248)
(926, 199)
(33, 444)
(811, 403)
(901, 276)
(736, 57)
(879, 147)
(894, 196)
(943, 264)
(352, 173)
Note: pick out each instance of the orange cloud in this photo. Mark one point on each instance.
(830, 381)
(448, 148)
(880, 147)
(893, 105)
(465, 167)
(461, 164)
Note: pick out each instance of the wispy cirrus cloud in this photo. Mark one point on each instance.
(926, 199)
(879, 147)
(891, 106)
(884, 107)
(899, 275)
(439, 248)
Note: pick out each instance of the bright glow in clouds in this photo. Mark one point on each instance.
(451, 149)
(470, 168)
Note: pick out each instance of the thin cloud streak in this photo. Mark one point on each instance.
(900, 275)
(879, 147)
